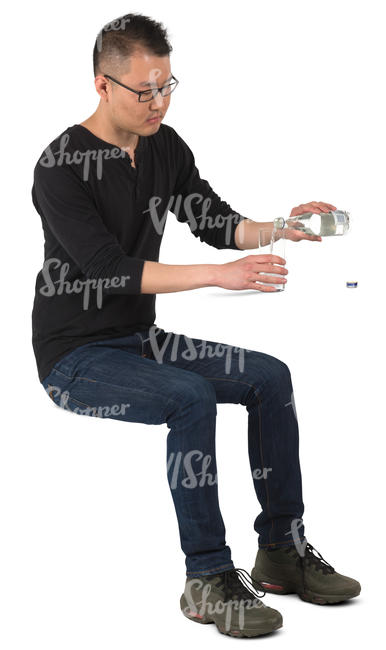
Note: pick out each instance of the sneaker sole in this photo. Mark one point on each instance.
(205, 620)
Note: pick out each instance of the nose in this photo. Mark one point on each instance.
(157, 101)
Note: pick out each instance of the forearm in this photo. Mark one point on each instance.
(167, 278)
(247, 233)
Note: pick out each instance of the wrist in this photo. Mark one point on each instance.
(212, 274)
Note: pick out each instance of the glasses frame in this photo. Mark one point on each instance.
(141, 92)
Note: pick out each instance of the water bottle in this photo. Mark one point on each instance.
(334, 222)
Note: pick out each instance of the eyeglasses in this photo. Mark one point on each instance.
(148, 95)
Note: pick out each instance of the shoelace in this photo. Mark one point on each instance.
(237, 584)
(318, 563)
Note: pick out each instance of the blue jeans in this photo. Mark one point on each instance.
(154, 377)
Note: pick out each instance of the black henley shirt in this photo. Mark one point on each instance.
(102, 219)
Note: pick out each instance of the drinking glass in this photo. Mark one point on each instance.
(274, 242)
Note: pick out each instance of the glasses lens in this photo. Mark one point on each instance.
(146, 95)
(166, 90)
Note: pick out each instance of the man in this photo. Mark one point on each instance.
(103, 189)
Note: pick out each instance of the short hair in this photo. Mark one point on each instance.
(121, 38)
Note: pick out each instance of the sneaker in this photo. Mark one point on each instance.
(225, 599)
(285, 571)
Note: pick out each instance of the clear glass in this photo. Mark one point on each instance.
(273, 241)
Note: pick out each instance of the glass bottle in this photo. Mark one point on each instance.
(334, 222)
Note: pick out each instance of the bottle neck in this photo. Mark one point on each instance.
(278, 223)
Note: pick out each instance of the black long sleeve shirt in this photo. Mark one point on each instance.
(102, 219)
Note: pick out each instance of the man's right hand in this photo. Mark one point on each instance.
(248, 272)
(245, 273)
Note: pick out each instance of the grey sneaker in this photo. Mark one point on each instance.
(285, 571)
(225, 599)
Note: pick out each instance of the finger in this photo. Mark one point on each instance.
(314, 238)
(261, 287)
(273, 274)
(319, 206)
(327, 206)
(272, 279)
(269, 268)
(269, 257)
(311, 237)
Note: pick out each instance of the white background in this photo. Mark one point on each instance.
(89, 544)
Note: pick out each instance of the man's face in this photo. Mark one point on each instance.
(126, 112)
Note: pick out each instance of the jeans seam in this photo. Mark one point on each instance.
(72, 377)
(262, 463)
(229, 379)
(259, 400)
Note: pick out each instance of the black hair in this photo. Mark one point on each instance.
(123, 37)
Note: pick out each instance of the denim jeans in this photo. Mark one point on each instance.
(153, 377)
